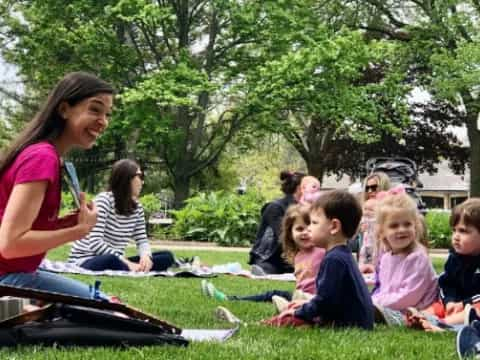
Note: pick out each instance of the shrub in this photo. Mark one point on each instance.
(225, 218)
(151, 204)
(438, 229)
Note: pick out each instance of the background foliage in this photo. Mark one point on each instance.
(224, 218)
(439, 230)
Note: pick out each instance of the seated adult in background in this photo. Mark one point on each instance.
(120, 218)
(375, 182)
(266, 253)
(372, 185)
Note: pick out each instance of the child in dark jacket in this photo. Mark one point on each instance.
(342, 297)
(460, 282)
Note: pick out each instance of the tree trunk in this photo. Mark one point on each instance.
(182, 191)
(474, 138)
(315, 168)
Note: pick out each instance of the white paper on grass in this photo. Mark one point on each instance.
(208, 335)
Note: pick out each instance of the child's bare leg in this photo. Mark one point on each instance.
(455, 319)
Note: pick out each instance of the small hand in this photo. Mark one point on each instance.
(145, 263)
(366, 268)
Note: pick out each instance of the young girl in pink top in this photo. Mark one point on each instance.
(297, 249)
(74, 115)
(405, 275)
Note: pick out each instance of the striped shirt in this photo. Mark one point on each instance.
(112, 232)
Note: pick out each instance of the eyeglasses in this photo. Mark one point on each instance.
(140, 175)
(369, 188)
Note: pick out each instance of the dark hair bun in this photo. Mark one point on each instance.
(290, 181)
(285, 174)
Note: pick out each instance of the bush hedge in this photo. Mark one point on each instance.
(225, 218)
(231, 220)
(438, 229)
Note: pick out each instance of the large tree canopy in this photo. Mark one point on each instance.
(177, 65)
(442, 50)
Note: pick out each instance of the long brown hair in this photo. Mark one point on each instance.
(48, 123)
(294, 212)
(119, 184)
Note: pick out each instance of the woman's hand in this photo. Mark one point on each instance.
(87, 215)
(132, 266)
(145, 263)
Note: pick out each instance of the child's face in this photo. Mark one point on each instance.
(320, 227)
(301, 234)
(399, 230)
(311, 186)
(466, 239)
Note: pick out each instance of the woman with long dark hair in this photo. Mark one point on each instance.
(120, 218)
(76, 112)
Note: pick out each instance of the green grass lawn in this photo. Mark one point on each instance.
(180, 302)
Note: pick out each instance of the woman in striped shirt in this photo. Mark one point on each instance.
(120, 218)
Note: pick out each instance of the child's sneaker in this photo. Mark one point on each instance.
(196, 262)
(301, 295)
(468, 342)
(384, 315)
(257, 270)
(470, 315)
(223, 313)
(208, 289)
(280, 303)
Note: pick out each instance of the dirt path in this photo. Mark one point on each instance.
(196, 245)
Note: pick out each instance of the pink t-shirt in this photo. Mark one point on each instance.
(307, 264)
(36, 162)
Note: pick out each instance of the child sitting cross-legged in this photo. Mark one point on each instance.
(342, 297)
(405, 276)
(298, 249)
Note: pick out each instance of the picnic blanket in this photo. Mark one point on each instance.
(182, 271)
(68, 268)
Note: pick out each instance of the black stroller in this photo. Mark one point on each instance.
(400, 170)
